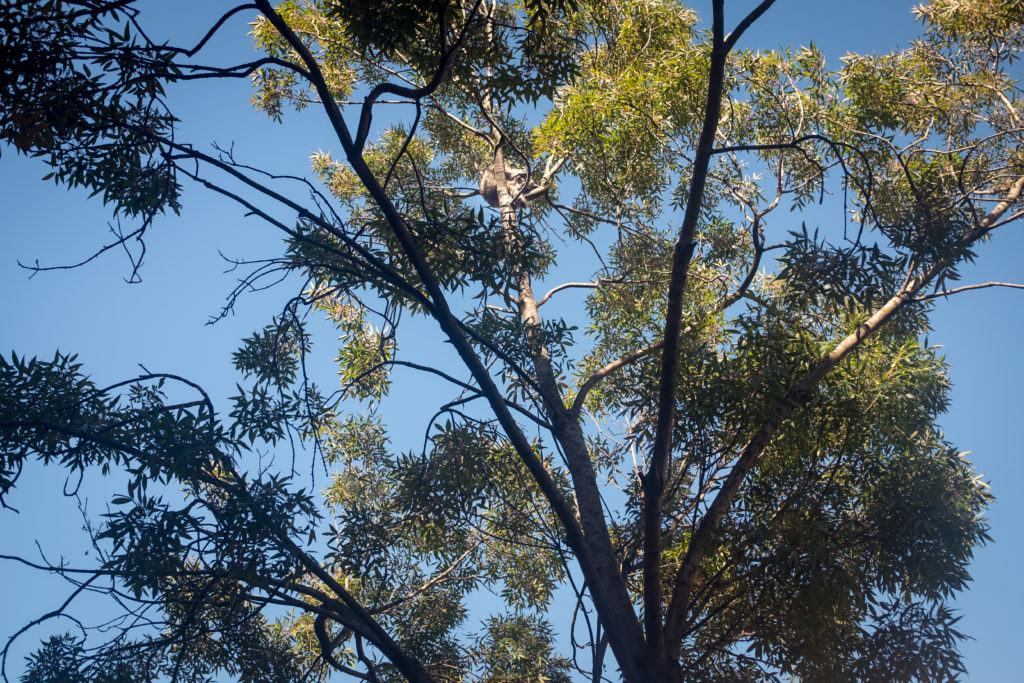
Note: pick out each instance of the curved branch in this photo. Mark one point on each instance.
(966, 288)
(751, 271)
(58, 612)
(216, 27)
(433, 581)
(567, 285)
(199, 71)
(314, 73)
(447, 60)
(327, 646)
(593, 380)
(754, 15)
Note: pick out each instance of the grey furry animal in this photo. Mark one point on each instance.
(519, 184)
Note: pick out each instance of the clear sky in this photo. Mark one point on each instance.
(160, 323)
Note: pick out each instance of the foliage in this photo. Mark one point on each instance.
(727, 458)
(84, 92)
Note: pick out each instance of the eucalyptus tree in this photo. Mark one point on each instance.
(727, 456)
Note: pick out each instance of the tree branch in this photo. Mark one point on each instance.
(596, 554)
(654, 479)
(58, 612)
(446, 60)
(567, 285)
(679, 604)
(599, 567)
(967, 288)
(593, 380)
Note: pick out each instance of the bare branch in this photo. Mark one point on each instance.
(966, 288)
(593, 380)
(568, 285)
(754, 15)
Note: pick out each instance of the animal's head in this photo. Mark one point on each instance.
(516, 179)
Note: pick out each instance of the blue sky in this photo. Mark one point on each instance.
(160, 323)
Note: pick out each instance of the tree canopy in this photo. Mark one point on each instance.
(725, 455)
